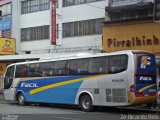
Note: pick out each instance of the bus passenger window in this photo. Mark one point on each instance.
(117, 63)
(78, 67)
(32, 70)
(61, 68)
(21, 71)
(98, 65)
(46, 69)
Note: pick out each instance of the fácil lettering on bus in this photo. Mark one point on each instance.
(29, 85)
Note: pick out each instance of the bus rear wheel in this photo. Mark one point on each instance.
(21, 99)
(86, 103)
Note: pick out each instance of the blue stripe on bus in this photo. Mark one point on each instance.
(46, 81)
(63, 94)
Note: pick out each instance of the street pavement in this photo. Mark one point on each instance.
(13, 111)
(1, 97)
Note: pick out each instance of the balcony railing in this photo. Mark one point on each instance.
(126, 2)
(129, 12)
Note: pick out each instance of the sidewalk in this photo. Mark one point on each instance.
(1, 97)
(143, 108)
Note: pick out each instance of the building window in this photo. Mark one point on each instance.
(77, 2)
(130, 12)
(81, 28)
(6, 10)
(6, 33)
(35, 33)
(30, 6)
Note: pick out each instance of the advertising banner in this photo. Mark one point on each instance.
(7, 46)
(6, 24)
(132, 36)
(53, 22)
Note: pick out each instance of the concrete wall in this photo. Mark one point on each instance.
(16, 23)
(83, 12)
(35, 19)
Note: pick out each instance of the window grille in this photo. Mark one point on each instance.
(77, 2)
(30, 6)
(6, 33)
(35, 33)
(81, 28)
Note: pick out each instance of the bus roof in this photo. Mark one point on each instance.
(80, 55)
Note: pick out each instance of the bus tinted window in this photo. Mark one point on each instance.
(95, 65)
(98, 65)
(33, 70)
(46, 69)
(21, 71)
(78, 66)
(61, 68)
(9, 77)
(117, 63)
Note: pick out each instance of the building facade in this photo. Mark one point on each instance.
(129, 25)
(78, 24)
(30, 22)
(5, 18)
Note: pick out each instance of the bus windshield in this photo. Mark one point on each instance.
(8, 79)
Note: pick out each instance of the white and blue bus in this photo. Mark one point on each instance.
(106, 79)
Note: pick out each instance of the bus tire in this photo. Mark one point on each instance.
(21, 99)
(86, 103)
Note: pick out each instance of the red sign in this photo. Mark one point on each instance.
(53, 22)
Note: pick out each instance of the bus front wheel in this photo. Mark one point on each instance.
(21, 99)
(86, 103)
